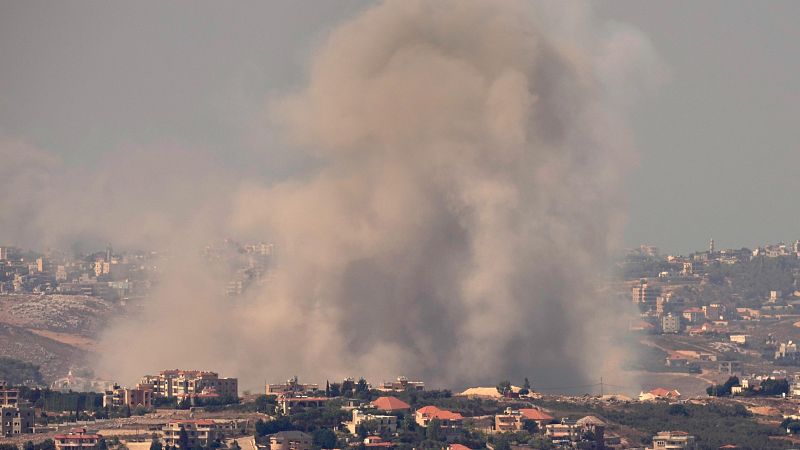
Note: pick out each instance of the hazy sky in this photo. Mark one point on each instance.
(718, 141)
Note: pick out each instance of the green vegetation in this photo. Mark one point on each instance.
(713, 425)
(16, 372)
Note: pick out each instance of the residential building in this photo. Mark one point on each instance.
(291, 386)
(740, 339)
(670, 324)
(645, 294)
(401, 384)
(448, 421)
(117, 396)
(787, 350)
(565, 430)
(390, 404)
(290, 440)
(659, 394)
(514, 420)
(8, 395)
(187, 383)
(694, 315)
(377, 442)
(77, 439)
(18, 419)
(287, 403)
(730, 367)
(714, 311)
(669, 440)
(384, 423)
(200, 432)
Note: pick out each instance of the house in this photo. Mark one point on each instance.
(78, 439)
(514, 420)
(390, 404)
(567, 429)
(293, 386)
(377, 441)
(595, 426)
(290, 440)
(287, 403)
(402, 384)
(384, 423)
(16, 419)
(659, 394)
(694, 315)
(201, 432)
(448, 421)
(117, 396)
(740, 339)
(673, 440)
(675, 360)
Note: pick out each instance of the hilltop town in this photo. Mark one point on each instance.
(713, 340)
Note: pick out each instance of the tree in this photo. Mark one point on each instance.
(29, 446)
(183, 439)
(504, 388)
(434, 430)
(155, 444)
(362, 386)
(347, 388)
(335, 390)
(8, 447)
(47, 444)
(102, 445)
(234, 445)
(530, 426)
(327, 388)
(324, 438)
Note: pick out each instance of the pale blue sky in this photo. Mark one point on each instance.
(718, 142)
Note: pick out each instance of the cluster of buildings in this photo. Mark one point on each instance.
(103, 274)
(17, 416)
(117, 276)
(174, 383)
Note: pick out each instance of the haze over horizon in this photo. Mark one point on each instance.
(84, 79)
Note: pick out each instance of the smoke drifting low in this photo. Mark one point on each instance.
(457, 222)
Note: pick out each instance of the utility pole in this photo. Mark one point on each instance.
(601, 386)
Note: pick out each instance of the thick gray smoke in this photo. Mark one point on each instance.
(471, 155)
(457, 223)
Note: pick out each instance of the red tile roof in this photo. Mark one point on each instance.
(433, 412)
(390, 404)
(458, 447)
(535, 414)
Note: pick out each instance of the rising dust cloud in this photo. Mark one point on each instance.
(465, 200)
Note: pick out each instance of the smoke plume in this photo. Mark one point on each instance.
(467, 196)
(455, 226)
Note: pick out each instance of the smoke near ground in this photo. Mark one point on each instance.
(456, 224)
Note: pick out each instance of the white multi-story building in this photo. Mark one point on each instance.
(384, 422)
(187, 383)
(672, 440)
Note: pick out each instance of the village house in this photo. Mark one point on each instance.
(290, 440)
(383, 423)
(77, 439)
(449, 422)
(201, 432)
(659, 394)
(673, 440)
(390, 404)
(287, 403)
(514, 420)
